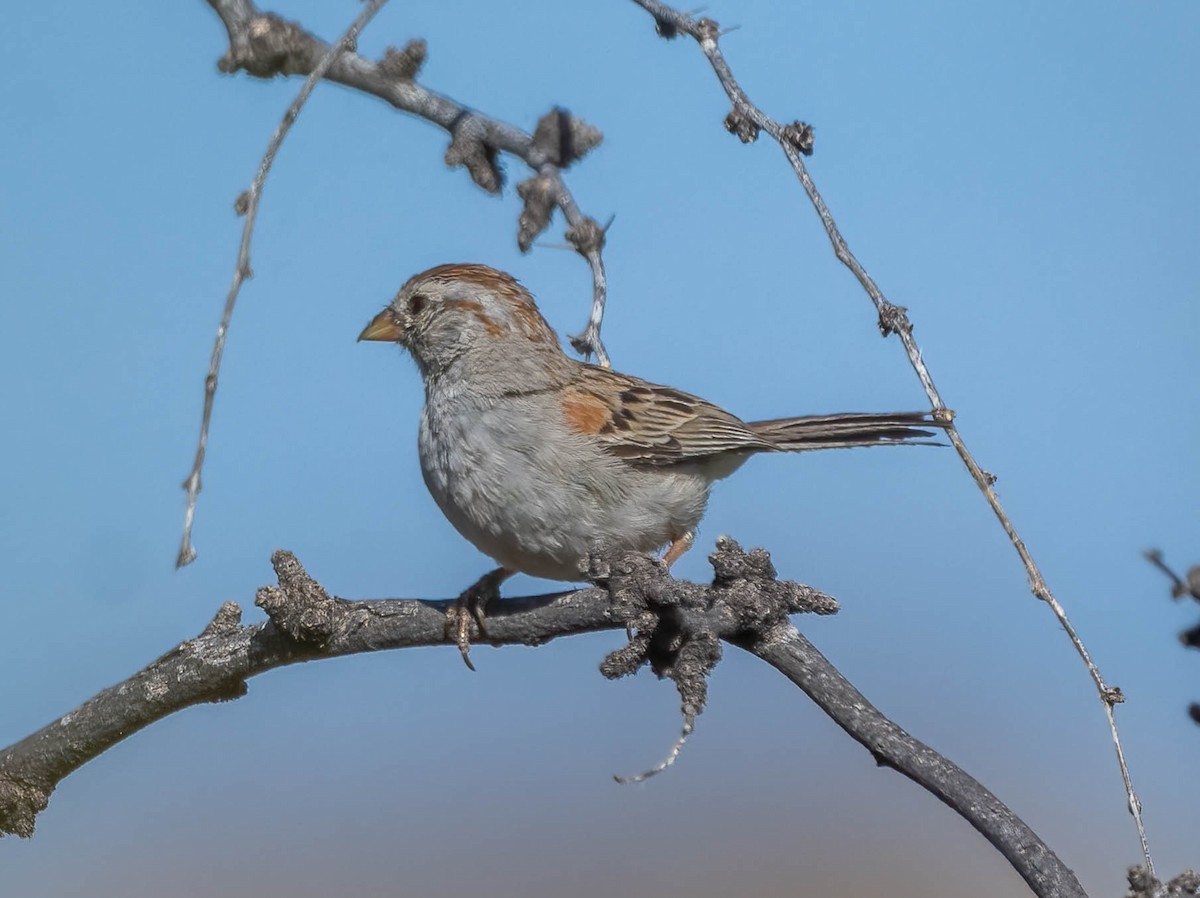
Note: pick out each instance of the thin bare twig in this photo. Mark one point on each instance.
(1187, 585)
(247, 205)
(678, 630)
(265, 45)
(1179, 586)
(746, 120)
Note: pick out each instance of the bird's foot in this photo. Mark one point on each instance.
(472, 605)
(678, 548)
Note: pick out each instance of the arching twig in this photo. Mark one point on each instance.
(247, 206)
(746, 121)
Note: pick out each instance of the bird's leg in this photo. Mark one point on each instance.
(678, 547)
(471, 605)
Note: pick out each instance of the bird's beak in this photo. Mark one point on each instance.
(383, 328)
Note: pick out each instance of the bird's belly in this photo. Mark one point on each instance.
(539, 504)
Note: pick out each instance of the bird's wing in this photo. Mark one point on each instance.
(651, 424)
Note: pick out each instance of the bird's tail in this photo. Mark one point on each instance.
(848, 431)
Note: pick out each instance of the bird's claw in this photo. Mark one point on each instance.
(472, 605)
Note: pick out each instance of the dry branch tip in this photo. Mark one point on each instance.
(563, 139)
(801, 136)
(299, 606)
(405, 64)
(227, 619)
(469, 150)
(739, 124)
(540, 198)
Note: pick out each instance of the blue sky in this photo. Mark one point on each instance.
(1022, 177)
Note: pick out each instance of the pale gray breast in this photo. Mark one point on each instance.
(536, 497)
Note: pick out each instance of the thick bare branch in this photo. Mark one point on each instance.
(798, 660)
(796, 140)
(676, 627)
(304, 624)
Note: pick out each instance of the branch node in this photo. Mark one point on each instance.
(881, 759)
(1144, 884)
(665, 28)
(800, 135)
(270, 46)
(707, 30)
(737, 122)
(562, 139)
(540, 196)
(227, 620)
(893, 319)
(672, 635)
(587, 344)
(676, 626)
(404, 65)
(944, 415)
(20, 803)
(469, 150)
(242, 204)
(299, 605)
(759, 603)
(1113, 695)
(587, 237)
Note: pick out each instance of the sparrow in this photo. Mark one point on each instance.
(539, 459)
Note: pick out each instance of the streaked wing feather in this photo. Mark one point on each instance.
(652, 424)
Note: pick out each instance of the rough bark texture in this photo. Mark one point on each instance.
(675, 626)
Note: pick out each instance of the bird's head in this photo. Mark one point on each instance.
(454, 311)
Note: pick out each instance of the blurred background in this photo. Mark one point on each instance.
(1021, 176)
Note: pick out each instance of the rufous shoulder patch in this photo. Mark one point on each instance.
(585, 412)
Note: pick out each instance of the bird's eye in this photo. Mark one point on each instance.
(417, 303)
